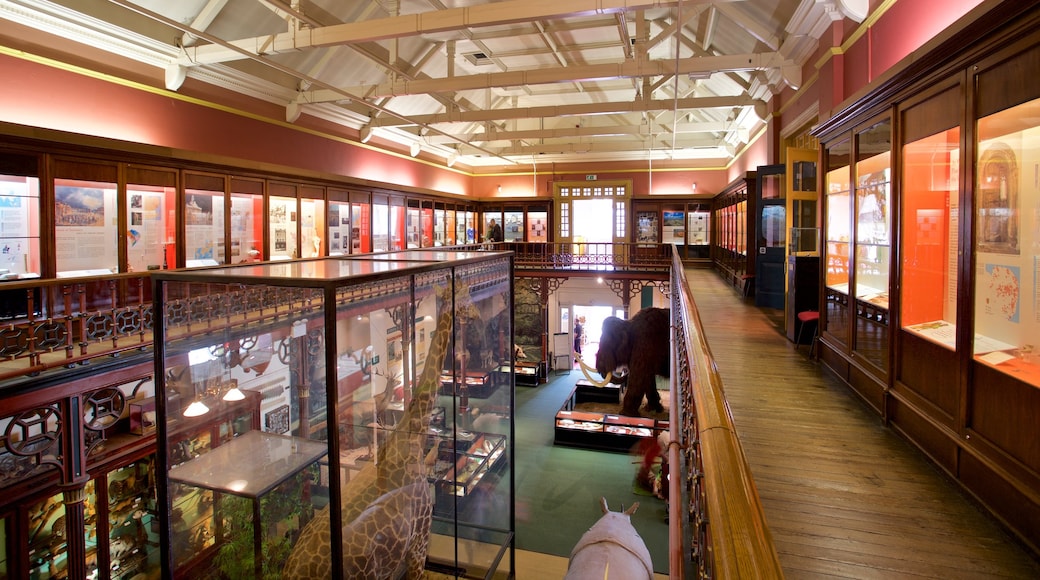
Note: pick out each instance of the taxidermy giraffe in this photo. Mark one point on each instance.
(388, 506)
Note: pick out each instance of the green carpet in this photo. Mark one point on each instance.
(558, 488)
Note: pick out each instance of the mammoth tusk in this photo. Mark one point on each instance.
(585, 370)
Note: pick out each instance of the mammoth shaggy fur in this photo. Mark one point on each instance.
(642, 346)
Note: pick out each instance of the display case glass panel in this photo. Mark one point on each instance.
(247, 233)
(312, 224)
(360, 228)
(513, 226)
(203, 227)
(351, 411)
(439, 227)
(397, 227)
(873, 242)
(1007, 242)
(426, 240)
(928, 290)
(487, 216)
(339, 228)
(5, 571)
(151, 227)
(85, 236)
(449, 228)
(48, 540)
(413, 226)
(19, 227)
(133, 542)
(380, 227)
(283, 222)
(647, 227)
(697, 226)
(838, 236)
(471, 227)
(538, 226)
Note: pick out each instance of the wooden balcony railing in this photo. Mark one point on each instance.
(718, 527)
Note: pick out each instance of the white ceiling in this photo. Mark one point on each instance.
(489, 84)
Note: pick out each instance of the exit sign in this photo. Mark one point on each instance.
(590, 178)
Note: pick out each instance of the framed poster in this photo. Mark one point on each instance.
(674, 227)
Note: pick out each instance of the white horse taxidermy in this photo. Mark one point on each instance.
(612, 549)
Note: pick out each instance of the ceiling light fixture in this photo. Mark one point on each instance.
(365, 134)
(415, 148)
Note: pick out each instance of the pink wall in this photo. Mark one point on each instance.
(52, 98)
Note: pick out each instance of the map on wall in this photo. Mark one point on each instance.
(1002, 291)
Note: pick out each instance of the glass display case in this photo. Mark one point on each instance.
(204, 220)
(132, 521)
(1007, 243)
(513, 225)
(581, 422)
(19, 226)
(283, 221)
(873, 242)
(929, 237)
(838, 235)
(463, 463)
(247, 210)
(302, 406)
(605, 431)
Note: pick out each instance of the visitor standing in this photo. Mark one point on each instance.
(494, 232)
(579, 334)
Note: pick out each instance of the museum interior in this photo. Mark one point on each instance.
(291, 289)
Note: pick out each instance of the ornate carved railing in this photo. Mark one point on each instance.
(598, 257)
(718, 527)
(47, 324)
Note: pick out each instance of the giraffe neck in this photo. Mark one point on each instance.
(403, 446)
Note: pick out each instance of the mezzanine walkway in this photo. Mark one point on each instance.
(844, 496)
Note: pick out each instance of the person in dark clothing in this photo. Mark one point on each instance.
(494, 232)
(579, 334)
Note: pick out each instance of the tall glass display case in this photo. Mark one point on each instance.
(347, 453)
(1007, 243)
(873, 242)
(837, 235)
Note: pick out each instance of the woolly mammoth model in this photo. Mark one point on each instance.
(639, 350)
(611, 549)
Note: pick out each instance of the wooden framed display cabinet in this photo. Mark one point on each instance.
(931, 304)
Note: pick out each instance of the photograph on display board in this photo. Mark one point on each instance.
(998, 200)
(646, 227)
(199, 210)
(79, 206)
(674, 223)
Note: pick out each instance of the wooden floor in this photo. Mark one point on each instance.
(844, 496)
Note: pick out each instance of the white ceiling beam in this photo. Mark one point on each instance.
(573, 110)
(596, 131)
(437, 21)
(764, 35)
(626, 69)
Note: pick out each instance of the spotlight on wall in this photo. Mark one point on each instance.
(500, 189)
(693, 186)
(416, 148)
